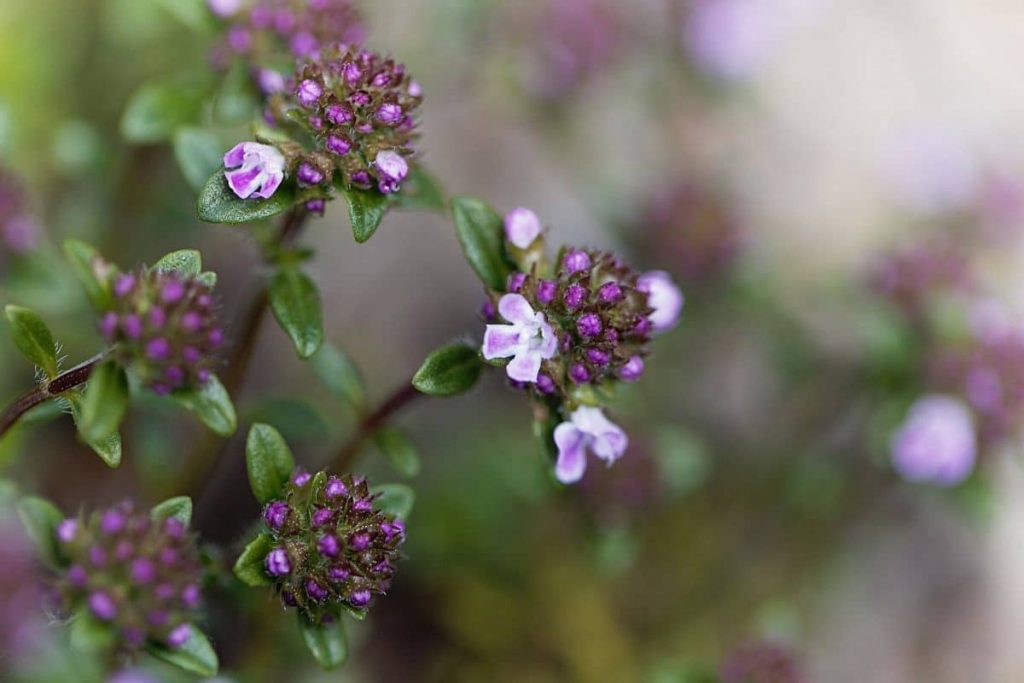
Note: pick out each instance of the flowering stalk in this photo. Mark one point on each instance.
(63, 382)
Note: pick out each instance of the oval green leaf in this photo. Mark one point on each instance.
(249, 568)
(40, 519)
(268, 460)
(109, 448)
(218, 204)
(211, 404)
(366, 209)
(295, 301)
(86, 262)
(179, 507)
(400, 452)
(33, 338)
(187, 262)
(449, 370)
(195, 655)
(104, 403)
(478, 228)
(327, 642)
(393, 499)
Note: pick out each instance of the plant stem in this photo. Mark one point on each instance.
(66, 380)
(373, 422)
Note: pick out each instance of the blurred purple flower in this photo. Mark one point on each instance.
(731, 39)
(936, 443)
(762, 661)
(933, 169)
(528, 339)
(576, 38)
(522, 227)
(225, 8)
(254, 170)
(664, 297)
(588, 429)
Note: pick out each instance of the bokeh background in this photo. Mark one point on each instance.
(767, 153)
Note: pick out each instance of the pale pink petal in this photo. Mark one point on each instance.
(516, 309)
(235, 156)
(663, 296)
(549, 342)
(522, 227)
(270, 185)
(524, 367)
(501, 341)
(572, 454)
(608, 441)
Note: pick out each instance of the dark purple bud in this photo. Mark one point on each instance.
(102, 606)
(316, 206)
(315, 591)
(77, 575)
(633, 369)
(359, 99)
(338, 144)
(156, 317)
(112, 522)
(124, 285)
(351, 73)
(132, 326)
(175, 375)
(359, 598)
(515, 282)
(611, 335)
(589, 325)
(382, 567)
(321, 516)
(123, 550)
(598, 357)
(339, 114)
(215, 337)
(190, 596)
(361, 178)
(576, 261)
(579, 374)
(610, 293)
(300, 477)
(389, 114)
(488, 312)
(335, 488)
(545, 384)
(158, 348)
(164, 591)
(277, 562)
(575, 295)
(546, 291)
(338, 574)
(309, 92)
(143, 570)
(168, 556)
(381, 80)
(362, 505)
(359, 542)
(190, 321)
(316, 122)
(172, 292)
(158, 617)
(328, 545)
(179, 635)
(288, 598)
(239, 39)
(309, 174)
(276, 514)
(108, 325)
(642, 327)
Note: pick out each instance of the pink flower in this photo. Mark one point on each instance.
(936, 443)
(664, 297)
(528, 340)
(253, 169)
(522, 227)
(392, 168)
(587, 429)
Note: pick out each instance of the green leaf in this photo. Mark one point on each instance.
(366, 209)
(157, 109)
(478, 228)
(268, 460)
(33, 338)
(183, 262)
(422, 191)
(40, 519)
(196, 655)
(249, 568)
(394, 499)
(104, 403)
(179, 507)
(211, 404)
(218, 204)
(90, 635)
(199, 155)
(295, 301)
(399, 450)
(108, 448)
(327, 642)
(339, 375)
(88, 265)
(449, 370)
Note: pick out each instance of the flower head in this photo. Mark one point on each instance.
(528, 339)
(254, 170)
(936, 443)
(165, 327)
(332, 550)
(357, 109)
(136, 574)
(587, 430)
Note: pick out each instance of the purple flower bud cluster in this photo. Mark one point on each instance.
(332, 549)
(264, 31)
(137, 575)
(600, 317)
(358, 109)
(164, 326)
(762, 662)
(19, 231)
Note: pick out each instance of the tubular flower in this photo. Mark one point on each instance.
(358, 109)
(164, 327)
(332, 550)
(528, 339)
(587, 430)
(254, 170)
(137, 575)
